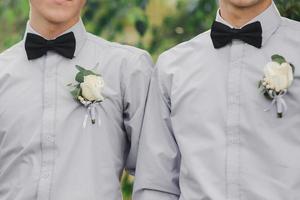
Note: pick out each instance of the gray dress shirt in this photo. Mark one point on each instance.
(45, 151)
(206, 135)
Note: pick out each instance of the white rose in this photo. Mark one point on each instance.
(278, 77)
(92, 88)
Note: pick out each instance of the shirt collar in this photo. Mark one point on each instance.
(270, 21)
(78, 29)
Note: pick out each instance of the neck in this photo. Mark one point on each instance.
(50, 30)
(239, 16)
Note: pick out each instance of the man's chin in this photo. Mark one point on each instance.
(58, 16)
(58, 21)
(244, 3)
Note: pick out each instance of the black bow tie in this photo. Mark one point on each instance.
(36, 46)
(222, 35)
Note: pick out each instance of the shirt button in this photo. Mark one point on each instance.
(50, 138)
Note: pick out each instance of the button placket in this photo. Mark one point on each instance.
(233, 120)
(47, 135)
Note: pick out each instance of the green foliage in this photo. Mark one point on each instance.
(146, 24)
(278, 58)
(82, 73)
(13, 17)
(289, 8)
(76, 92)
(127, 186)
(154, 25)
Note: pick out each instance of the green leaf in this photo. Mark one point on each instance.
(81, 69)
(80, 75)
(278, 58)
(259, 84)
(76, 92)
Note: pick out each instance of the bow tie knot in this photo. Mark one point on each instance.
(50, 42)
(235, 32)
(36, 46)
(50, 45)
(222, 34)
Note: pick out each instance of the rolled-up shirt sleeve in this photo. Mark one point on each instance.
(157, 175)
(136, 87)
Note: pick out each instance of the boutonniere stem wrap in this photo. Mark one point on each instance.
(278, 78)
(88, 91)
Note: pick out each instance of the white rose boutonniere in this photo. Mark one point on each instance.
(92, 87)
(88, 91)
(279, 76)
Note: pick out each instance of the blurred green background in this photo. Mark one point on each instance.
(154, 25)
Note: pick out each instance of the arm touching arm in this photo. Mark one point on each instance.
(157, 175)
(136, 91)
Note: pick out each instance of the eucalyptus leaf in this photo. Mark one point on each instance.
(278, 58)
(76, 92)
(80, 68)
(259, 84)
(80, 75)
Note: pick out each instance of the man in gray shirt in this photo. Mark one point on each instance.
(60, 142)
(223, 116)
